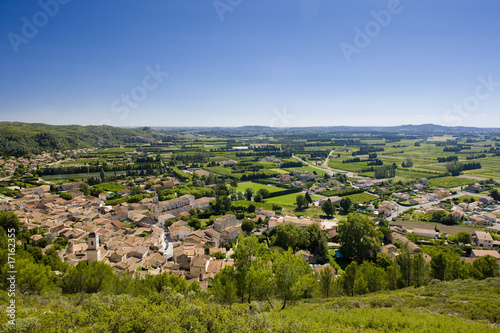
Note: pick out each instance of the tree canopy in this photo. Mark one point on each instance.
(328, 208)
(9, 220)
(358, 237)
(288, 235)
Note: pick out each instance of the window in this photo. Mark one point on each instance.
(91, 243)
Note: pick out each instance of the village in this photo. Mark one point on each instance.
(153, 236)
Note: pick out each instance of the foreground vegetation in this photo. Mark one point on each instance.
(268, 289)
(459, 306)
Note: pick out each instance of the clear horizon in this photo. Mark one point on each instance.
(239, 126)
(301, 63)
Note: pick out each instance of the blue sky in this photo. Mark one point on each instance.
(249, 62)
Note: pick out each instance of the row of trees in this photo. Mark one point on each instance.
(386, 171)
(455, 168)
(263, 274)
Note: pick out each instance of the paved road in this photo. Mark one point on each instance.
(401, 208)
(477, 178)
(170, 250)
(328, 170)
(325, 162)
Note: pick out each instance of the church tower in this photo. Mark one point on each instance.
(93, 248)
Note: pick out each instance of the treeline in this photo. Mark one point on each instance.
(341, 193)
(293, 146)
(318, 153)
(376, 161)
(193, 158)
(319, 143)
(455, 168)
(244, 167)
(387, 171)
(284, 192)
(371, 161)
(291, 164)
(266, 148)
(278, 154)
(252, 176)
(365, 150)
(447, 159)
(471, 166)
(475, 157)
(353, 160)
(95, 168)
(445, 143)
(456, 148)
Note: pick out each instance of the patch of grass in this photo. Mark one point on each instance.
(280, 171)
(361, 197)
(316, 318)
(288, 199)
(222, 171)
(242, 187)
(110, 187)
(414, 174)
(450, 181)
(457, 306)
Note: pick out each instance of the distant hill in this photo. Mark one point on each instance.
(409, 129)
(22, 138)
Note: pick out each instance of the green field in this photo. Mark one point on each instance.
(490, 168)
(280, 171)
(242, 187)
(288, 199)
(110, 187)
(246, 203)
(118, 150)
(361, 197)
(424, 159)
(222, 171)
(448, 182)
(415, 174)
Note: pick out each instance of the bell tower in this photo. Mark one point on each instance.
(93, 248)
